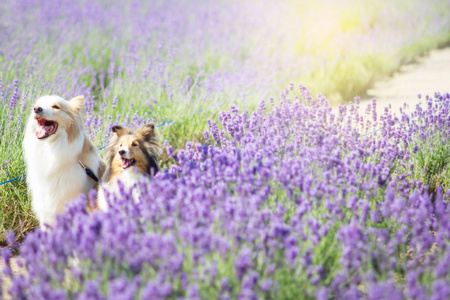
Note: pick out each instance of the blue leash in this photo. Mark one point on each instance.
(370, 132)
(162, 124)
(166, 122)
(20, 177)
(86, 170)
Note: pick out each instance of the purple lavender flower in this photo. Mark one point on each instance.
(290, 200)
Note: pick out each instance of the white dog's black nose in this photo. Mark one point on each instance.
(122, 152)
(37, 110)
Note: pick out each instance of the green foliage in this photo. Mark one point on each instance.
(431, 163)
(15, 205)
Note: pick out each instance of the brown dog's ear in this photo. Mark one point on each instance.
(147, 131)
(119, 130)
(76, 104)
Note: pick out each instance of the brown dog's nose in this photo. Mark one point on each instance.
(121, 152)
(37, 110)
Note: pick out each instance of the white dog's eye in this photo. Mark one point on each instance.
(134, 144)
(55, 106)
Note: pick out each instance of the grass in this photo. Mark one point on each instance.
(432, 163)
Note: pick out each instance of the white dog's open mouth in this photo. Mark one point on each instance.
(126, 163)
(45, 128)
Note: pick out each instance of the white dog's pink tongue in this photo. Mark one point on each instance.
(42, 132)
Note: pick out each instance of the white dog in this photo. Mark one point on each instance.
(61, 161)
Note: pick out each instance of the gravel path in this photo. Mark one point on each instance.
(429, 75)
(6, 283)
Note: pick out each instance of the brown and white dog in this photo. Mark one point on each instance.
(132, 156)
(57, 153)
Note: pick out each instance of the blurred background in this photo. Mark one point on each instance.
(178, 63)
(337, 48)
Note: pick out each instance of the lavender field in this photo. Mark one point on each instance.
(267, 191)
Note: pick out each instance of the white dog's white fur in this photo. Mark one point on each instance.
(54, 173)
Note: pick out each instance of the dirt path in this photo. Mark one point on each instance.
(429, 75)
(6, 283)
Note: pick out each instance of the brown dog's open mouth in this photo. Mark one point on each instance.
(126, 163)
(45, 128)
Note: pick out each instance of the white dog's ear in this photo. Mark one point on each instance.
(76, 104)
(147, 131)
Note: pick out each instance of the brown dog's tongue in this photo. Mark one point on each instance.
(125, 163)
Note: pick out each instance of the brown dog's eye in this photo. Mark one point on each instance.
(134, 144)
(55, 106)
